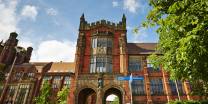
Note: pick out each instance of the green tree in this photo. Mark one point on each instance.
(45, 93)
(62, 95)
(183, 35)
(116, 100)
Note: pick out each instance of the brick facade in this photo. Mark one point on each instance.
(85, 84)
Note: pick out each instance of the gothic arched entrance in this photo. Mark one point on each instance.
(114, 91)
(87, 96)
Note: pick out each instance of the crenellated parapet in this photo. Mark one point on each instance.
(84, 25)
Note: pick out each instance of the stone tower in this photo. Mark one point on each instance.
(101, 56)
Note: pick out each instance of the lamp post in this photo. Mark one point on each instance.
(130, 82)
(18, 50)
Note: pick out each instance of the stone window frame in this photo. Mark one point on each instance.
(24, 90)
(140, 91)
(108, 56)
(157, 86)
(138, 63)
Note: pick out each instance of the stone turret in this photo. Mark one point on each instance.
(28, 54)
(124, 21)
(82, 22)
(8, 52)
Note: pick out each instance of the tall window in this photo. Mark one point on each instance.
(101, 55)
(10, 94)
(173, 87)
(46, 78)
(18, 75)
(156, 86)
(30, 75)
(23, 94)
(56, 82)
(138, 87)
(67, 81)
(134, 63)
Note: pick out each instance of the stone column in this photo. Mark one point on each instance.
(99, 99)
(71, 96)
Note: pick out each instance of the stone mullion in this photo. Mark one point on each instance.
(167, 85)
(187, 90)
(61, 82)
(15, 97)
(26, 95)
(147, 82)
(99, 99)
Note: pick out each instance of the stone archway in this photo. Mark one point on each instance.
(87, 96)
(114, 91)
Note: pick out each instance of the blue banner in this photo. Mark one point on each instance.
(130, 78)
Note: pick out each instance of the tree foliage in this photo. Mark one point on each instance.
(183, 35)
(188, 102)
(62, 95)
(116, 100)
(45, 93)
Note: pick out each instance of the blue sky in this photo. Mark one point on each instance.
(51, 26)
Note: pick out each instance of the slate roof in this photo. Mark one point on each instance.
(141, 48)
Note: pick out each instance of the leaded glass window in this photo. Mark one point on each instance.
(173, 87)
(156, 86)
(46, 78)
(100, 64)
(10, 94)
(18, 75)
(138, 87)
(23, 93)
(101, 42)
(101, 55)
(30, 75)
(56, 82)
(67, 81)
(134, 63)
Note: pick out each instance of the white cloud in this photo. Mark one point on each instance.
(132, 5)
(51, 12)
(115, 3)
(141, 36)
(8, 18)
(53, 50)
(25, 44)
(111, 97)
(29, 11)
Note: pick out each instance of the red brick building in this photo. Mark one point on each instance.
(102, 56)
